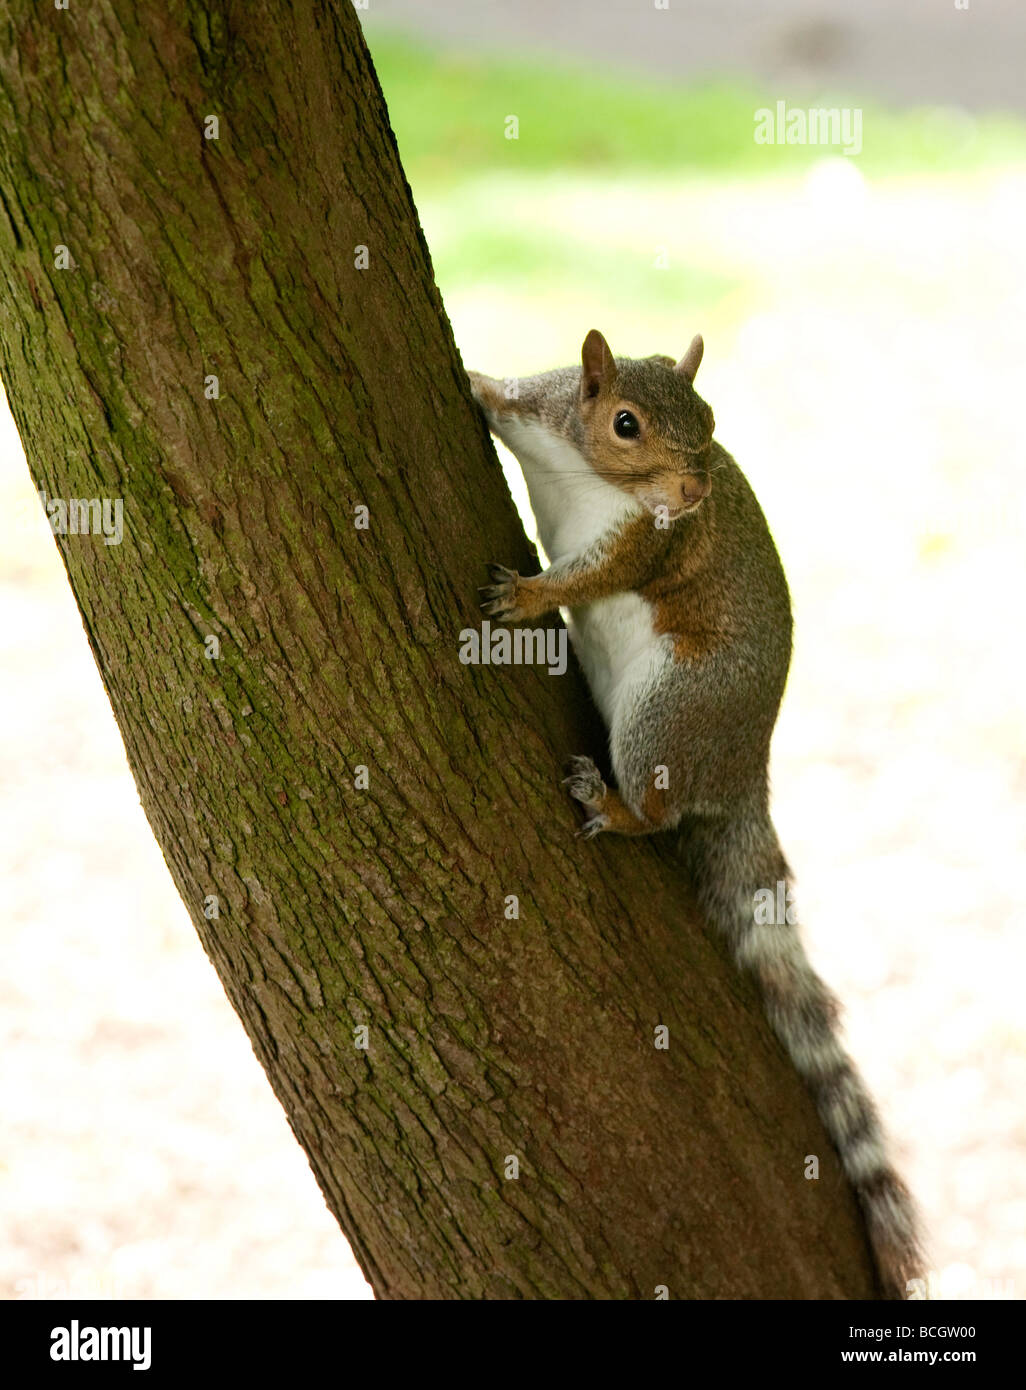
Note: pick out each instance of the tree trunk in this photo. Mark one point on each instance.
(489, 1036)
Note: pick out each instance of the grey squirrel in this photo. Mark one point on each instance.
(681, 619)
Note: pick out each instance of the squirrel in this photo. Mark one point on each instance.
(680, 616)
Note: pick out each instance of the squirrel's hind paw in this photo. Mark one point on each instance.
(584, 783)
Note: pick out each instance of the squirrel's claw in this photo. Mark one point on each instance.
(584, 782)
(499, 598)
(585, 785)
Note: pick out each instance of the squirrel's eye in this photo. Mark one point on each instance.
(626, 425)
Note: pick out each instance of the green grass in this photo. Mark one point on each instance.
(610, 208)
(502, 231)
(449, 110)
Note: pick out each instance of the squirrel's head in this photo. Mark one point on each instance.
(646, 430)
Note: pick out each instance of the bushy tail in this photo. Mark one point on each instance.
(731, 860)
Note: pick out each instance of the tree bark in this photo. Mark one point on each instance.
(385, 906)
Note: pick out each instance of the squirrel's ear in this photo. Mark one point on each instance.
(597, 365)
(688, 364)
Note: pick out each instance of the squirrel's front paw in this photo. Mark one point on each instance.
(504, 597)
(585, 785)
(487, 392)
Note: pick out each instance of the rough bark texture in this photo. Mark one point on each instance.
(488, 1037)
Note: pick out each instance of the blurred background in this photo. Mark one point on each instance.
(864, 324)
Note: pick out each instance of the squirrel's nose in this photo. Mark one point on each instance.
(693, 487)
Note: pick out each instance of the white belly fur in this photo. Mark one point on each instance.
(614, 638)
(619, 651)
